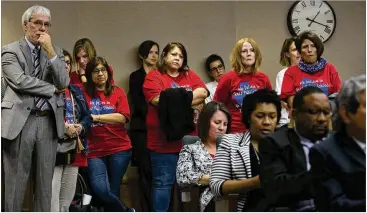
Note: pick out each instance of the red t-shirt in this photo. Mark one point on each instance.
(154, 83)
(75, 79)
(327, 80)
(231, 90)
(106, 139)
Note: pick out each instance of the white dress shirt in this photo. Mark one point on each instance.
(360, 144)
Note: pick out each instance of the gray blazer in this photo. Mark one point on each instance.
(22, 87)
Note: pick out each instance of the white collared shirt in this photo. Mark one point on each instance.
(360, 144)
(211, 86)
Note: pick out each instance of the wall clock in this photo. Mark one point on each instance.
(314, 15)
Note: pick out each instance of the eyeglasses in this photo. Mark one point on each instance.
(68, 63)
(317, 113)
(219, 68)
(40, 24)
(97, 71)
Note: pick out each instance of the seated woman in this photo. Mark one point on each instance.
(195, 160)
(236, 165)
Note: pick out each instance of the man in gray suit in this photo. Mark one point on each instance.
(32, 110)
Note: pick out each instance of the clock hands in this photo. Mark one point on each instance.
(313, 20)
(308, 19)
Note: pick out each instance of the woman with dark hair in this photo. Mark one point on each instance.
(72, 150)
(236, 164)
(109, 145)
(289, 56)
(312, 69)
(172, 72)
(244, 78)
(195, 160)
(148, 55)
(83, 52)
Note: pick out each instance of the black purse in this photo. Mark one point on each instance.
(65, 158)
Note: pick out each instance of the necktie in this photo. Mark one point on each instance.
(39, 101)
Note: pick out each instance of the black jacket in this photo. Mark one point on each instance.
(138, 105)
(175, 113)
(283, 169)
(344, 163)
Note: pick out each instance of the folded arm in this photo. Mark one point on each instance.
(16, 78)
(111, 118)
(60, 77)
(199, 95)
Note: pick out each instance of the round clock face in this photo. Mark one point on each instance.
(312, 15)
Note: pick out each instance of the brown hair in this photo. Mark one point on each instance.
(235, 58)
(284, 60)
(162, 67)
(87, 46)
(90, 86)
(312, 37)
(207, 114)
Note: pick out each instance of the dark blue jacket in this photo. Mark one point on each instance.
(82, 113)
(343, 162)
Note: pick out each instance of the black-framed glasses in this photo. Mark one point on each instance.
(40, 23)
(68, 63)
(98, 70)
(317, 113)
(218, 68)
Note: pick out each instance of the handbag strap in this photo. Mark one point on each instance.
(79, 146)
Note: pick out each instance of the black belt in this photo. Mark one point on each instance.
(39, 113)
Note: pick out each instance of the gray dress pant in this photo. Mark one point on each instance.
(34, 147)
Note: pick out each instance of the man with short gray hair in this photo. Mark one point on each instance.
(342, 157)
(32, 110)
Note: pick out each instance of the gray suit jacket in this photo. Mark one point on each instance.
(22, 87)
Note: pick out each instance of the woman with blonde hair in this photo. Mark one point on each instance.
(244, 78)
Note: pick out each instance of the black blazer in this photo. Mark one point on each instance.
(344, 163)
(138, 105)
(283, 169)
